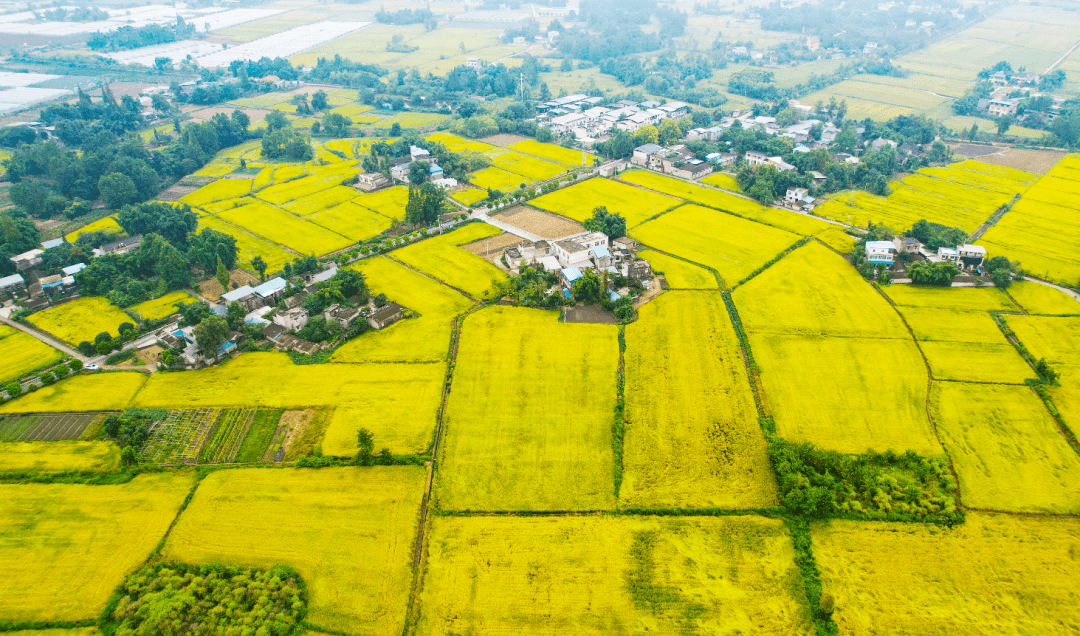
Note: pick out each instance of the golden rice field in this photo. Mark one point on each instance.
(804, 225)
(218, 191)
(733, 246)
(532, 430)
(498, 179)
(455, 143)
(23, 354)
(468, 196)
(80, 319)
(1058, 341)
(285, 173)
(722, 180)
(579, 200)
(837, 239)
(678, 273)
(412, 120)
(996, 362)
(249, 246)
(1006, 448)
(693, 192)
(526, 166)
(320, 200)
(554, 153)
(592, 575)
(389, 202)
(351, 220)
(321, 179)
(396, 402)
(813, 291)
(106, 224)
(348, 531)
(691, 439)
(66, 547)
(441, 258)
(1040, 299)
(962, 197)
(952, 325)
(1042, 230)
(994, 574)
(162, 307)
(846, 394)
(282, 228)
(60, 455)
(109, 391)
(961, 298)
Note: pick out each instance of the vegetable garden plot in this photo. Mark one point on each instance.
(179, 438)
(45, 426)
(229, 432)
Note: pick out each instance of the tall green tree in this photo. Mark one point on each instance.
(210, 334)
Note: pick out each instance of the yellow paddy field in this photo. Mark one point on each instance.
(59, 455)
(162, 307)
(282, 228)
(994, 574)
(23, 354)
(48, 578)
(691, 439)
(81, 319)
(579, 200)
(532, 430)
(442, 258)
(348, 531)
(605, 575)
(1040, 299)
(249, 246)
(693, 192)
(678, 273)
(109, 391)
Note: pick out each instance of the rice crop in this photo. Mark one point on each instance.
(442, 258)
(530, 431)
(526, 166)
(412, 120)
(975, 298)
(976, 362)
(1058, 341)
(837, 239)
(218, 191)
(67, 546)
(734, 247)
(348, 531)
(952, 325)
(678, 273)
(993, 574)
(389, 202)
(351, 220)
(722, 180)
(468, 196)
(312, 203)
(693, 192)
(321, 179)
(80, 319)
(105, 224)
(278, 226)
(161, 307)
(498, 179)
(1006, 448)
(813, 291)
(593, 575)
(249, 246)
(691, 439)
(578, 201)
(23, 354)
(551, 152)
(1041, 299)
(60, 455)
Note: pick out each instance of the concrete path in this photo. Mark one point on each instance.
(1075, 296)
(57, 344)
(506, 227)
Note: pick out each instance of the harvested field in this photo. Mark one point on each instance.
(65, 455)
(1036, 161)
(23, 354)
(45, 426)
(543, 224)
(488, 247)
(46, 578)
(593, 575)
(110, 391)
(994, 574)
(530, 436)
(692, 438)
(593, 314)
(348, 531)
(678, 273)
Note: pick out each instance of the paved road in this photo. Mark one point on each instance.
(506, 227)
(1075, 296)
(55, 343)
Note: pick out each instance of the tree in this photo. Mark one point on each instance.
(162, 64)
(545, 92)
(365, 446)
(646, 135)
(222, 275)
(13, 389)
(117, 190)
(973, 132)
(938, 274)
(260, 266)
(419, 172)
(590, 288)
(319, 101)
(669, 132)
(210, 335)
(1042, 368)
(234, 316)
(610, 223)
(75, 365)
(276, 120)
(1003, 125)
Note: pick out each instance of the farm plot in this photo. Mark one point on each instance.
(1058, 341)
(179, 438)
(526, 166)
(732, 246)
(46, 426)
(837, 239)
(1006, 448)
(260, 434)
(996, 362)
(412, 120)
(530, 436)
(954, 298)
(554, 153)
(23, 354)
(63, 455)
(692, 438)
(1040, 299)
(278, 226)
(442, 258)
(67, 546)
(579, 200)
(951, 325)
(311, 185)
(498, 179)
(81, 393)
(106, 224)
(469, 196)
(80, 319)
(833, 391)
(693, 192)
(389, 202)
(722, 180)
(159, 308)
(539, 222)
(349, 219)
(249, 246)
(678, 273)
(348, 531)
(309, 204)
(813, 291)
(993, 574)
(218, 191)
(592, 575)
(230, 429)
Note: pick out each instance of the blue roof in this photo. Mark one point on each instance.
(571, 273)
(601, 252)
(435, 169)
(271, 286)
(614, 296)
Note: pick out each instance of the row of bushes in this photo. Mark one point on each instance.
(14, 389)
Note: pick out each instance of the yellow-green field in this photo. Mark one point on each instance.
(59, 455)
(278, 226)
(722, 180)
(1058, 341)
(96, 392)
(813, 291)
(1006, 448)
(1040, 299)
(693, 192)
(973, 298)
(81, 319)
(106, 224)
(578, 201)
(351, 220)
(994, 574)
(528, 423)
(678, 273)
(249, 246)
(389, 202)
(692, 438)
(218, 191)
(526, 166)
(348, 531)
(846, 394)
(468, 196)
(952, 325)
(66, 547)
(498, 179)
(733, 246)
(22, 354)
(611, 575)
(320, 200)
(976, 362)
(837, 239)
(162, 307)
(441, 258)
(552, 152)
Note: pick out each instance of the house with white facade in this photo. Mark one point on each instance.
(971, 255)
(880, 252)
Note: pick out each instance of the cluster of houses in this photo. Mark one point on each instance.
(572, 255)
(678, 160)
(584, 118)
(1002, 101)
(400, 170)
(966, 257)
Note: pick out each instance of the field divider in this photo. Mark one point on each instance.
(716, 274)
(618, 424)
(776, 259)
(425, 274)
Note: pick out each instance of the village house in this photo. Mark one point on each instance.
(386, 315)
(642, 154)
(292, 319)
(580, 249)
(244, 295)
(971, 256)
(371, 181)
(269, 293)
(948, 255)
(1002, 107)
(122, 246)
(880, 252)
(12, 284)
(907, 245)
(341, 314)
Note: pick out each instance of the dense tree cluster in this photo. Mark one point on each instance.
(426, 203)
(936, 274)
(127, 37)
(610, 223)
(405, 16)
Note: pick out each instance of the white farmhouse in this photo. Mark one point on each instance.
(880, 252)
